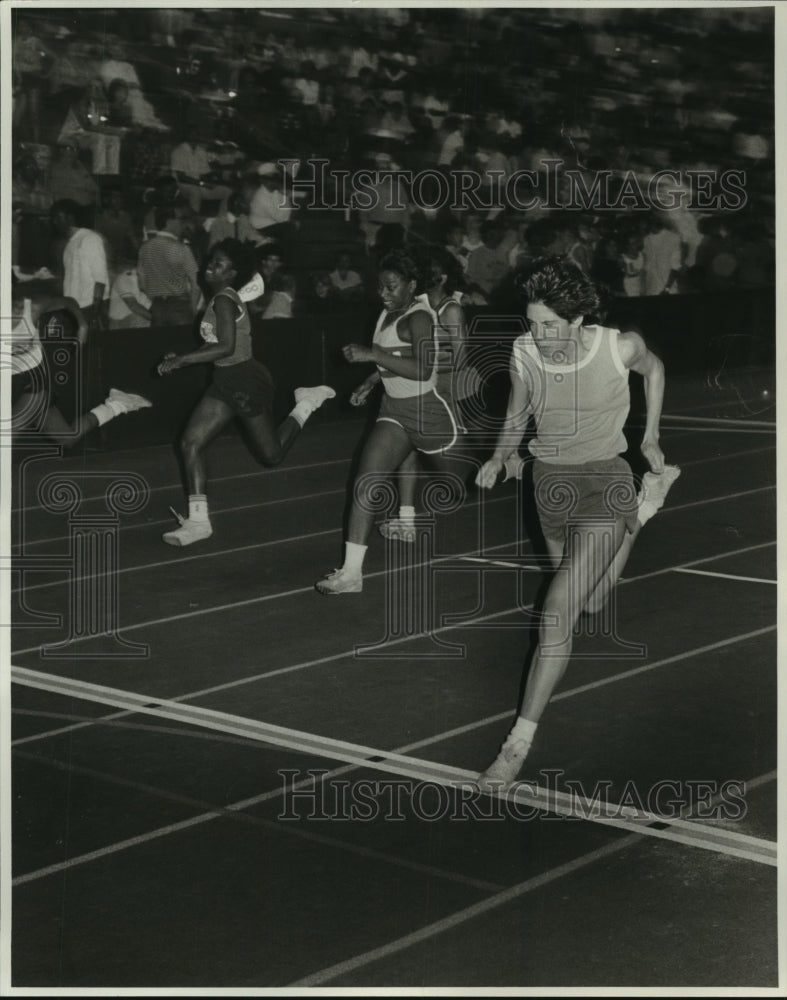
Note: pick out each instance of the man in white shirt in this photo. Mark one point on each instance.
(85, 272)
(663, 258)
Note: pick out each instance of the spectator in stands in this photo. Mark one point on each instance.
(662, 252)
(494, 167)
(27, 186)
(582, 252)
(167, 271)
(306, 87)
(165, 191)
(129, 307)
(396, 122)
(362, 56)
(547, 237)
(451, 140)
(346, 284)
(270, 209)
(85, 273)
(454, 242)
(632, 261)
(281, 301)
(320, 296)
(487, 264)
(392, 78)
(117, 67)
(119, 110)
(717, 256)
(115, 225)
(473, 224)
(196, 174)
(390, 201)
(234, 223)
(86, 124)
(69, 177)
(270, 262)
(69, 75)
(28, 55)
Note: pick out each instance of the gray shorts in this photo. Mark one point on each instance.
(594, 493)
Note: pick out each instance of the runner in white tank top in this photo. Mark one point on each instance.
(412, 414)
(457, 381)
(574, 381)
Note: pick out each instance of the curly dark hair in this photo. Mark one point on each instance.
(561, 286)
(402, 263)
(242, 257)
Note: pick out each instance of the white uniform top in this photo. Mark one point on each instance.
(387, 337)
(25, 343)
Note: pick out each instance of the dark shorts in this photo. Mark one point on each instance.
(247, 388)
(427, 420)
(595, 493)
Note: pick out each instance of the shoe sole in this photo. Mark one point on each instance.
(180, 543)
(337, 593)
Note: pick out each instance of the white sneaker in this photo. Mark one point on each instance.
(126, 402)
(507, 765)
(314, 395)
(188, 532)
(654, 492)
(340, 582)
(397, 530)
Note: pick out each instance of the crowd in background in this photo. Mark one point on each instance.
(164, 131)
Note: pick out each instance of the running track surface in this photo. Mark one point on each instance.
(177, 815)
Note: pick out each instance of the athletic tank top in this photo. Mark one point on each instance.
(459, 383)
(25, 343)
(385, 336)
(207, 329)
(579, 408)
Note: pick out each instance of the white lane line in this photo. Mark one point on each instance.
(525, 794)
(293, 538)
(718, 421)
(345, 654)
(332, 972)
(726, 576)
(210, 554)
(271, 597)
(734, 430)
(277, 793)
(499, 562)
(646, 667)
(171, 562)
(462, 916)
(269, 503)
(306, 590)
(179, 485)
(288, 829)
(214, 514)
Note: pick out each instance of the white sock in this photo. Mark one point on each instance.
(302, 411)
(353, 557)
(524, 729)
(407, 513)
(105, 412)
(198, 507)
